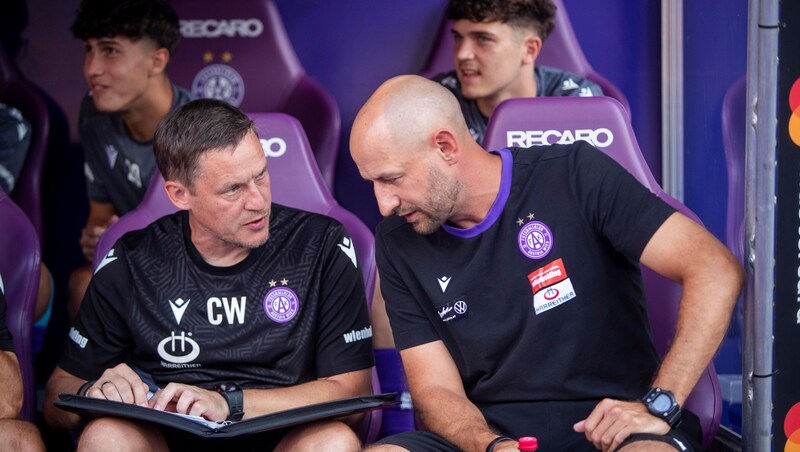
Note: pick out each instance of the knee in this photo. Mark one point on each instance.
(20, 436)
(119, 435)
(321, 436)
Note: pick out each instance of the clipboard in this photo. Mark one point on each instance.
(90, 408)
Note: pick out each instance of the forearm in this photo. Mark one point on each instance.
(258, 402)
(452, 416)
(703, 319)
(56, 417)
(11, 402)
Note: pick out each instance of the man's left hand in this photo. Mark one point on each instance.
(612, 421)
(191, 400)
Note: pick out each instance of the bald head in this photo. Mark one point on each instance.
(404, 113)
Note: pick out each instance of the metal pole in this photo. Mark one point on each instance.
(762, 68)
(672, 97)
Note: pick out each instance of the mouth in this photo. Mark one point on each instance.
(96, 88)
(468, 73)
(257, 224)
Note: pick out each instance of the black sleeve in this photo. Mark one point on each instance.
(410, 325)
(344, 339)
(101, 337)
(623, 210)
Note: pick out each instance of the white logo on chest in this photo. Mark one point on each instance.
(178, 308)
(443, 282)
(230, 309)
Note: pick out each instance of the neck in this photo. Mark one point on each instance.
(524, 85)
(213, 250)
(481, 177)
(142, 120)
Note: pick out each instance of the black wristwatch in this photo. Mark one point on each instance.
(232, 394)
(661, 403)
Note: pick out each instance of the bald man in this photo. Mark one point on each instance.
(513, 286)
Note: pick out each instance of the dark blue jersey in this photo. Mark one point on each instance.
(293, 311)
(542, 300)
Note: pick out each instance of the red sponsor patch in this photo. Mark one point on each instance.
(547, 275)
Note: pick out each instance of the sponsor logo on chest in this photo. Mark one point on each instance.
(551, 286)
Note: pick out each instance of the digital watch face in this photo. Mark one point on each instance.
(662, 403)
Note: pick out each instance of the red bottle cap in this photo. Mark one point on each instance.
(528, 443)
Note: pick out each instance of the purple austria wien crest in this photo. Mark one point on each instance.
(281, 304)
(535, 240)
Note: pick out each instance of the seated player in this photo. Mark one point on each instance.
(496, 45)
(230, 292)
(128, 46)
(513, 285)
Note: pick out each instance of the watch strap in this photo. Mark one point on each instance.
(234, 396)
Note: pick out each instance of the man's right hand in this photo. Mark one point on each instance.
(120, 384)
(90, 236)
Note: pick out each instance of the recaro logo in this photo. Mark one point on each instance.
(600, 138)
(273, 147)
(214, 28)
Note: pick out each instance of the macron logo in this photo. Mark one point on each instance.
(347, 248)
(178, 308)
(78, 338)
(109, 258)
(443, 282)
(360, 335)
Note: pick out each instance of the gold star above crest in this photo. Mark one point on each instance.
(519, 221)
(227, 56)
(284, 281)
(530, 216)
(208, 57)
(273, 283)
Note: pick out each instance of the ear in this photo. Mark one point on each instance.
(178, 194)
(159, 59)
(532, 45)
(447, 146)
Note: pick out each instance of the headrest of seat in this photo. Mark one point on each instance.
(294, 174)
(602, 121)
(239, 53)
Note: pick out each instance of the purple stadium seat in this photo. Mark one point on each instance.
(603, 122)
(733, 139)
(241, 53)
(561, 50)
(19, 276)
(295, 181)
(22, 95)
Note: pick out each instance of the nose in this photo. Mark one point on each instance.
(463, 50)
(387, 201)
(91, 64)
(258, 197)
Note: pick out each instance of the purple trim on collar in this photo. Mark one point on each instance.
(498, 205)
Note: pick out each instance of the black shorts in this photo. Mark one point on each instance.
(688, 434)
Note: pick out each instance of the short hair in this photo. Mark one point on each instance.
(194, 128)
(538, 15)
(134, 19)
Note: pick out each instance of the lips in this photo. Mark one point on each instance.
(256, 224)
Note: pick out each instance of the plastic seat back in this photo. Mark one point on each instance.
(17, 92)
(241, 53)
(604, 122)
(20, 258)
